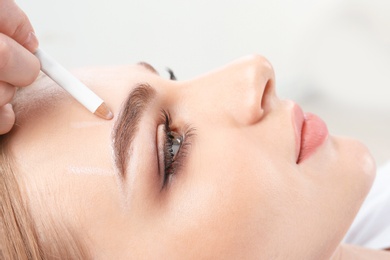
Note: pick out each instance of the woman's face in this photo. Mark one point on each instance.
(249, 180)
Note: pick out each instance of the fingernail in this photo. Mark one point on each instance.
(31, 42)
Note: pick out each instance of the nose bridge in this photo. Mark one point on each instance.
(235, 92)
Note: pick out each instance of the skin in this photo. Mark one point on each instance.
(239, 194)
(18, 66)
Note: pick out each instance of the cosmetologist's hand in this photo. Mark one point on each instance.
(18, 66)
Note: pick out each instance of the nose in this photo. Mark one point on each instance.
(241, 92)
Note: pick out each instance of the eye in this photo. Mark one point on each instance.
(173, 148)
(173, 143)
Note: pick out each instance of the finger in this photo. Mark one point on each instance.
(7, 92)
(15, 23)
(7, 118)
(18, 66)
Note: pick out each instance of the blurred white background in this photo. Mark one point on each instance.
(331, 56)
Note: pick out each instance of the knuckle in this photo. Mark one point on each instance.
(20, 29)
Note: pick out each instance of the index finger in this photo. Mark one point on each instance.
(15, 24)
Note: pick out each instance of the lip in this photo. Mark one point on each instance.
(310, 133)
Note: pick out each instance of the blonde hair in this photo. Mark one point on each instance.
(20, 237)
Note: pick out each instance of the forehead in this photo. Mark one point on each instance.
(52, 124)
(45, 110)
(39, 97)
(44, 95)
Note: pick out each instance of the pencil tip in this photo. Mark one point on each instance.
(104, 112)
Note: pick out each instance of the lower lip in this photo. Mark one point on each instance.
(314, 133)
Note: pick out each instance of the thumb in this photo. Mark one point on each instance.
(15, 23)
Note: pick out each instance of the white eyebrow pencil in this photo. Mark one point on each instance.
(73, 86)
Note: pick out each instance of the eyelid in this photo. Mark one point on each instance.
(160, 150)
(186, 132)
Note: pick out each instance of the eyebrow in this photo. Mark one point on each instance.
(148, 67)
(127, 124)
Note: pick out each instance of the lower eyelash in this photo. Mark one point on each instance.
(172, 166)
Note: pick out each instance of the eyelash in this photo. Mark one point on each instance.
(171, 74)
(173, 164)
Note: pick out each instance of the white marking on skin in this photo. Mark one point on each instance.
(86, 170)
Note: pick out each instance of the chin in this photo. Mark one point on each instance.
(349, 174)
(358, 162)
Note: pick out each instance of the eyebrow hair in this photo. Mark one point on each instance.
(148, 67)
(127, 124)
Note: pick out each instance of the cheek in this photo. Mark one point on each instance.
(221, 201)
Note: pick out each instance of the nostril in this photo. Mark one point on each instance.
(262, 78)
